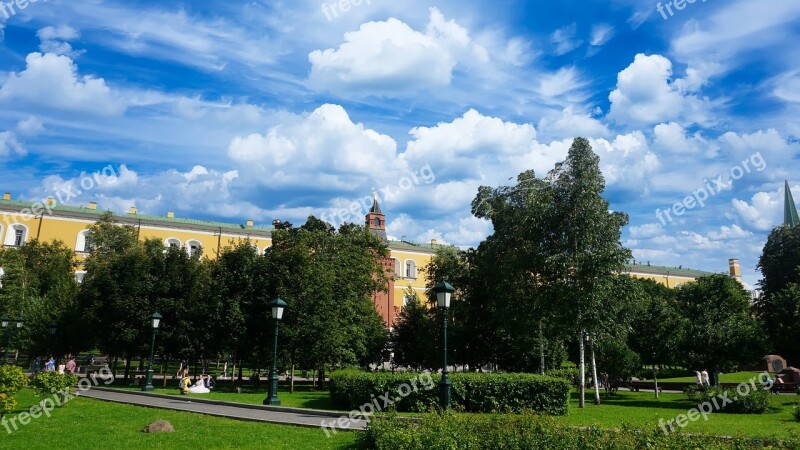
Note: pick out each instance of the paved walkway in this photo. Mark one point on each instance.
(256, 413)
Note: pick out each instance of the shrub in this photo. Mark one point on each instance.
(571, 374)
(527, 431)
(58, 384)
(755, 402)
(471, 392)
(12, 379)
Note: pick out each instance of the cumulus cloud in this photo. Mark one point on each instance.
(52, 80)
(323, 148)
(54, 40)
(672, 138)
(647, 94)
(764, 210)
(390, 58)
(570, 122)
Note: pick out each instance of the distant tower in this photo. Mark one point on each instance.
(383, 300)
(789, 209)
(376, 221)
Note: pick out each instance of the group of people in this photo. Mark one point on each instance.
(203, 385)
(70, 367)
(702, 378)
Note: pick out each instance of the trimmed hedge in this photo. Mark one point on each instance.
(471, 392)
(527, 431)
(756, 402)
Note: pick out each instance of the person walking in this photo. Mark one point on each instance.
(706, 381)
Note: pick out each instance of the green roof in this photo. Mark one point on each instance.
(15, 204)
(665, 270)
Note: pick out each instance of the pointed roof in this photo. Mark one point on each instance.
(376, 208)
(789, 209)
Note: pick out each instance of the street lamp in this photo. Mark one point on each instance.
(277, 306)
(444, 291)
(53, 328)
(5, 322)
(155, 322)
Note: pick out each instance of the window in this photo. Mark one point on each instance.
(84, 243)
(377, 222)
(16, 236)
(398, 268)
(173, 243)
(194, 248)
(411, 269)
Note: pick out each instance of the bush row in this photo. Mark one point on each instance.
(527, 431)
(755, 402)
(471, 392)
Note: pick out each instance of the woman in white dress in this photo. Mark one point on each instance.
(199, 387)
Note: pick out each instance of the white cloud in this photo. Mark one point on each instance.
(671, 138)
(646, 231)
(323, 148)
(390, 58)
(571, 123)
(52, 81)
(54, 40)
(787, 87)
(601, 34)
(764, 210)
(30, 126)
(9, 144)
(646, 94)
(565, 40)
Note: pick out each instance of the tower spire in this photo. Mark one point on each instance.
(789, 209)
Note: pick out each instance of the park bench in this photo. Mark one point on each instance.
(99, 363)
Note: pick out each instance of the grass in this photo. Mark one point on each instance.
(642, 410)
(87, 423)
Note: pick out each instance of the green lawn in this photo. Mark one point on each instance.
(87, 423)
(643, 410)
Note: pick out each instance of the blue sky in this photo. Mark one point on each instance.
(278, 110)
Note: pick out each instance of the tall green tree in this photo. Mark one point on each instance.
(586, 252)
(39, 285)
(778, 305)
(116, 297)
(720, 331)
(657, 325)
(327, 277)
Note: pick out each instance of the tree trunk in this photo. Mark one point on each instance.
(582, 369)
(655, 380)
(321, 375)
(594, 376)
(291, 384)
(127, 368)
(541, 348)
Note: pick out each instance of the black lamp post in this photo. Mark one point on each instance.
(53, 328)
(444, 291)
(272, 382)
(4, 321)
(155, 321)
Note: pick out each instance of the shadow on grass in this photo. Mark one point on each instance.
(638, 400)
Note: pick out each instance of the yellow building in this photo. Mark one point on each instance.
(47, 221)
